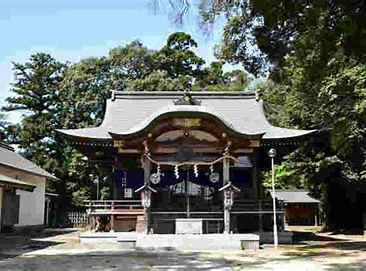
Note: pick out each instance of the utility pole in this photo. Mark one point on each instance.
(272, 154)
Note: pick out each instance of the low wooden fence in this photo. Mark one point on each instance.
(79, 219)
(105, 206)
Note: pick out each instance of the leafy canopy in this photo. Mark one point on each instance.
(55, 95)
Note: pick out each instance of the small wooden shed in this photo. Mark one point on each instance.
(300, 207)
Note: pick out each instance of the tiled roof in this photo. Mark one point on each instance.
(12, 159)
(294, 196)
(129, 112)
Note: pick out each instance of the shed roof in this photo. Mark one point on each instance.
(11, 182)
(12, 159)
(130, 112)
(294, 196)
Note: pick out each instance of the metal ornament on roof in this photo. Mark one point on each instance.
(187, 99)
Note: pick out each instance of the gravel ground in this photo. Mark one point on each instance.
(64, 252)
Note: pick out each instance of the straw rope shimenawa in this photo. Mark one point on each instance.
(191, 163)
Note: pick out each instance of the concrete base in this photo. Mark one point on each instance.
(186, 241)
(98, 237)
(284, 237)
(198, 241)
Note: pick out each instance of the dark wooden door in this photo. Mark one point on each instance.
(10, 210)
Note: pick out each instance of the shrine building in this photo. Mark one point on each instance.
(183, 162)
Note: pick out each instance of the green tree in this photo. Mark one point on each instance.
(3, 126)
(131, 62)
(177, 57)
(83, 92)
(36, 89)
(284, 177)
(57, 95)
(315, 55)
(213, 78)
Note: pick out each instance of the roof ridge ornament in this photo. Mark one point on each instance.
(187, 99)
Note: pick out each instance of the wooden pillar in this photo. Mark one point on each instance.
(147, 168)
(226, 179)
(91, 217)
(112, 218)
(316, 215)
(260, 216)
(92, 224)
(115, 188)
(255, 176)
(46, 222)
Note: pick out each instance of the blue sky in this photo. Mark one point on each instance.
(74, 29)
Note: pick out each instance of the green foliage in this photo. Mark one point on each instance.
(315, 55)
(285, 177)
(36, 90)
(260, 33)
(105, 193)
(213, 78)
(57, 95)
(3, 126)
(84, 90)
(177, 57)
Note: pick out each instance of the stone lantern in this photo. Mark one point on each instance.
(228, 189)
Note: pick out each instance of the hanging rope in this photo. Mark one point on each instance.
(191, 163)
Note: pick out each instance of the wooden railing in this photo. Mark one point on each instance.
(239, 207)
(260, 206)
(113, 205)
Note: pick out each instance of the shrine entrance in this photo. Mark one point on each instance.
(187, 196)
(175, 156)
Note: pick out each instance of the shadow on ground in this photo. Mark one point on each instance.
(15, 244)
(305, 236)
(129, 260)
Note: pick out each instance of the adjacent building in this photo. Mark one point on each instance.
(300, 207)
(22, 190)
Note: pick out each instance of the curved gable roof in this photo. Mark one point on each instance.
(129, 112)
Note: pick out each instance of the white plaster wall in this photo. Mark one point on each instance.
(31, 205)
